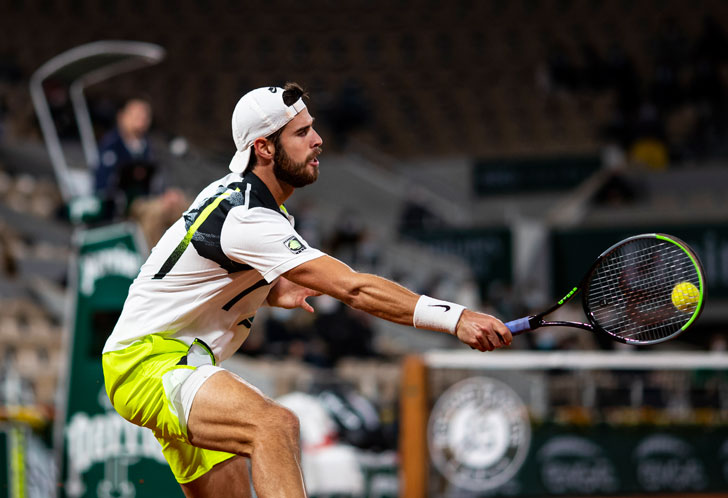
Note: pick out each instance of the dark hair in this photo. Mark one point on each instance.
(292, 91)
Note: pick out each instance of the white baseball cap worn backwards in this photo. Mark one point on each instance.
(259, 113)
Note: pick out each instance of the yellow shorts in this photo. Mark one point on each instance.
(144, 382)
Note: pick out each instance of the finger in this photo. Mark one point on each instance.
(484, 342)
(495, 336)
(495, 339)
(505, 334)
(304, 304)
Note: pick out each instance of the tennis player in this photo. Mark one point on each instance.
(194, 300)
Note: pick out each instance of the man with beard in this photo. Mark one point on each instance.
(192, 305)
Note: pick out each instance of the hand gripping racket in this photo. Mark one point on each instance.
(643, 290)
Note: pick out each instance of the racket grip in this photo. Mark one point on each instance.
(518, 326)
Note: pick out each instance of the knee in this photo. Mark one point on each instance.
(288, 423)
(283, 425)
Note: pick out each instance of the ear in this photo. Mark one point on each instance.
(264, 148)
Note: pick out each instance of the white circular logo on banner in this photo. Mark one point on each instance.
(479, 433)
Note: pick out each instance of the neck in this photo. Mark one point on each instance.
(128, 137)
(281, 191)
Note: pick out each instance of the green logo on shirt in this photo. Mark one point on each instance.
(294, 245)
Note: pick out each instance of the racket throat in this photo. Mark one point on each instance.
(579, 325)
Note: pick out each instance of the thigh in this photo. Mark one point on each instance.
(227, 414)
(229, 478)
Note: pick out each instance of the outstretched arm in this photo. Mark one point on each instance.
(390, 301)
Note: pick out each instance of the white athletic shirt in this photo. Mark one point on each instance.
(213, 269)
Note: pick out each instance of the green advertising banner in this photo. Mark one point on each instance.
(604, 461)
(537, 174)
(103, 455)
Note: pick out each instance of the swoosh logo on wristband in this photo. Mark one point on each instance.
(447, 308)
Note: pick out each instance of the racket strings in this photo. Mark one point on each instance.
(629, 294)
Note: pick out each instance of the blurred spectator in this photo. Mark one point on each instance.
(126, 167)
(129, 180)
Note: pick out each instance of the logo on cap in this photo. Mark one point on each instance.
(294, 245)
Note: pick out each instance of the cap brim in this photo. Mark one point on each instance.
(240, 161)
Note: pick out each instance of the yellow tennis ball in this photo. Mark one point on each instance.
(685, 297)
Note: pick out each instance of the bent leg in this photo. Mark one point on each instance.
(229, 415)
(229, 478)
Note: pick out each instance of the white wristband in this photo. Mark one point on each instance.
(438, 315)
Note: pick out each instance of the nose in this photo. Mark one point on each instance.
(317, 140)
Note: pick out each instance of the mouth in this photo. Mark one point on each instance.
(313, 158)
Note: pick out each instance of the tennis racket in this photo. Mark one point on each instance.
(643, 290)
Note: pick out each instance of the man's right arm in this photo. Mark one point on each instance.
(390, 301)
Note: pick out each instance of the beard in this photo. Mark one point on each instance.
(293, 173)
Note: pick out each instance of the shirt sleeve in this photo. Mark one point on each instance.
(265, 240)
